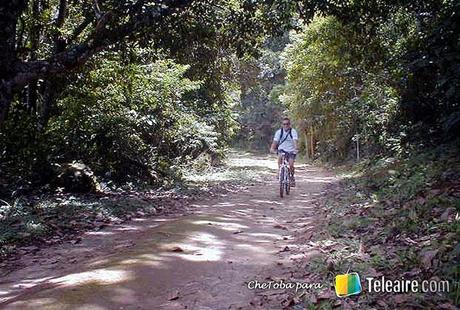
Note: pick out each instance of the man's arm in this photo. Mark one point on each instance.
(273, 147)
(295, 139)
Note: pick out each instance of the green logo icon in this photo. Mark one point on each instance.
(347, 284)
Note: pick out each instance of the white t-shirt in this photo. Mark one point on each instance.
(288, 144)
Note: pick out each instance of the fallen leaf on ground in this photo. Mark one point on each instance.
(327, 294)
(447, 213)
(399, 299)
(174, 295)
(428, 257)
(447, 306)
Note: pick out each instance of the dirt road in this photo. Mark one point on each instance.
(198, 261)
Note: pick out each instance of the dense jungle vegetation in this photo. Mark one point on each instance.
(102, 96)
(136, 90)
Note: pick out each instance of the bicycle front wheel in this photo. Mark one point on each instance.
(287, 182)
(281, 183)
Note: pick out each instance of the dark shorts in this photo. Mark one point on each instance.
(289, 155)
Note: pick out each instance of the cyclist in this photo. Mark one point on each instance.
(286, 139)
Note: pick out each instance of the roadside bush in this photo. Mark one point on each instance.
(127, 121)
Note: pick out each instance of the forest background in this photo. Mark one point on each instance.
(106, 95)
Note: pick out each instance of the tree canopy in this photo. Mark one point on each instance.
(143, 85)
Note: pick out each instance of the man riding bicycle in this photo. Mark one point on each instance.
(286, 139)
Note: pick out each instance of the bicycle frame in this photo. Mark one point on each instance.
(284, 176)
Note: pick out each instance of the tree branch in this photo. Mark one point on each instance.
(62, 13)
(101, 38)
(80, 28)
(97, 9)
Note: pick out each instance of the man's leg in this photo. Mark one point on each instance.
(291, 167)
(279, 165)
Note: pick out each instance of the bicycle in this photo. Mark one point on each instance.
(284, 175)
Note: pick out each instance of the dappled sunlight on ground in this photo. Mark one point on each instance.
(201, 261)
(224, 225)
(239, 168)
(100, 276)
(100, 233)
(201, 246)
(268, 162)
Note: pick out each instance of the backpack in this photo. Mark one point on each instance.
(288, 134)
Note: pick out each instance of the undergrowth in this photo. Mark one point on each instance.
(398, 218)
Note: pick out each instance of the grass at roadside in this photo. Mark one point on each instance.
(397, 218)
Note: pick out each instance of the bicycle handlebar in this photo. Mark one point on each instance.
(281, 151)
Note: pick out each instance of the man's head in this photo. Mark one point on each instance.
(286, 123)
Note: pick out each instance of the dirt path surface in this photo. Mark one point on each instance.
(198, 261)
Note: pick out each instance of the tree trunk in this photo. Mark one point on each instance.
(32, 97)
(51, 88)
(34, 45)
(48, 102)
(307, 148)
(9, 14)
(312, 144)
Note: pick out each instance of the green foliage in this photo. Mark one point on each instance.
(431, 95)
(86, 96)
(129, 118)
(261, 82)
(393, 82)
(138, 129)
(331, 89)
(148, 101)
